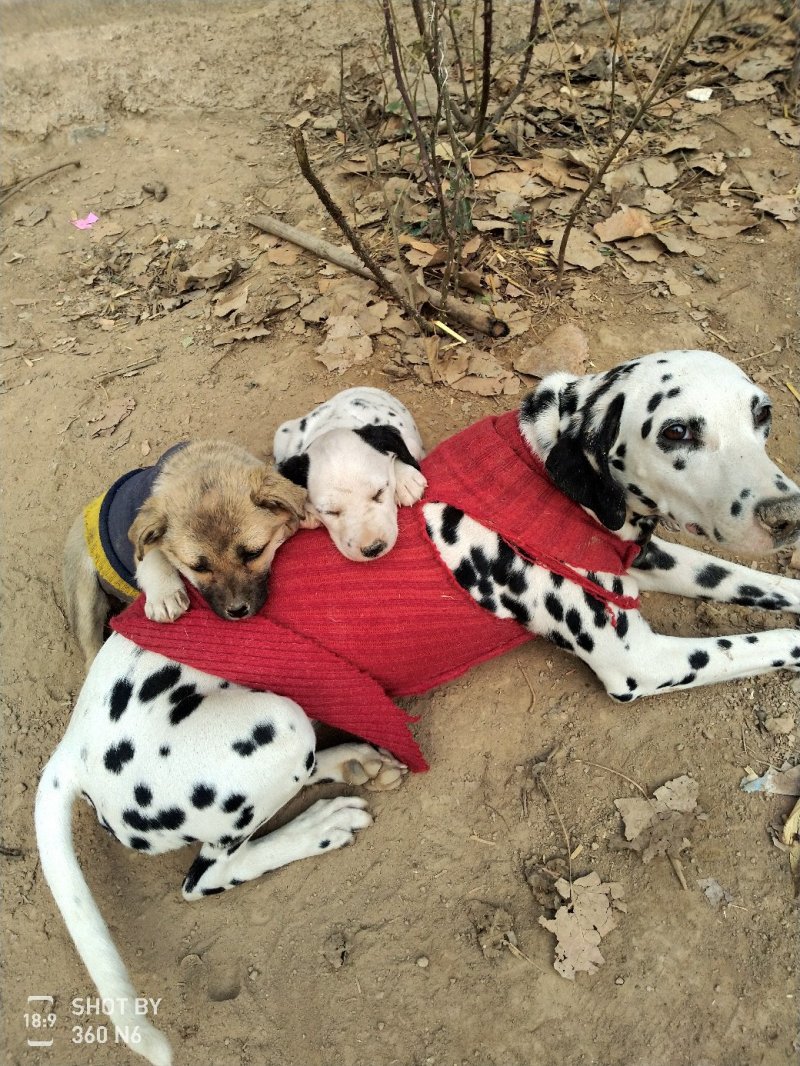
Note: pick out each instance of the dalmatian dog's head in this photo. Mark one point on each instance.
(356, 478)
(677, 437)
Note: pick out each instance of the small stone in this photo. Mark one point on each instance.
(780, 725)
(423, 962)
(619, 981)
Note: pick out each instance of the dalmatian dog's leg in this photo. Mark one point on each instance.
(628, 657)
(325, 826)
(682, 571)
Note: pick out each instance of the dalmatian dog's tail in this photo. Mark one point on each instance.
(57, 792)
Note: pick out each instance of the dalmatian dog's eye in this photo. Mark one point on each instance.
(202, 566)
(677, 432)
(763, 416)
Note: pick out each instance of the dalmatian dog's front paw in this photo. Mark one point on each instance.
(410, 484)
(360, 764)
(334, 822)
(375, 769)
(167, 604)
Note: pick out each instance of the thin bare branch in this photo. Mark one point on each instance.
(357, 244)
(17, 186)
(486, 71)
(662, 77)
(525, 67)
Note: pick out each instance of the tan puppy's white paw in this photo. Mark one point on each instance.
(166, 606)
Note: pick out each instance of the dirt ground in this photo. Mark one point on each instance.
(395, 951)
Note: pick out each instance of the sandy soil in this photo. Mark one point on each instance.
(391, 952)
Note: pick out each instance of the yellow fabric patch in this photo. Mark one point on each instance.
(91, 526)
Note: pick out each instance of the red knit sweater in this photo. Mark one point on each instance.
(341, 637)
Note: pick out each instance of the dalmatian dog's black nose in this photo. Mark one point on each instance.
(374, 549)
(239, 611)
(781, 516)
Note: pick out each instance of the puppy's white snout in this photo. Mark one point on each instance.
(372, 551)
(781, 517)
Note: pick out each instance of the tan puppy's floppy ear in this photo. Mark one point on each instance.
(148, 528)
(276, 493)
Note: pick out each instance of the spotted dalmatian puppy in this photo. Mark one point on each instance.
(358, 456)
(170, 756)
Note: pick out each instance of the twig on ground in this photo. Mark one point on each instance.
(549, 795)
(358, 245)
(17, 186)
(468, 314)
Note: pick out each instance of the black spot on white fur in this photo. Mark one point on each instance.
(118, 755)
(160, 681)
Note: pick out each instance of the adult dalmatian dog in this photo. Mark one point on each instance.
(169, 754)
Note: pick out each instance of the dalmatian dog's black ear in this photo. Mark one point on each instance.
(387, 440)
(295, 468)
(569, 466)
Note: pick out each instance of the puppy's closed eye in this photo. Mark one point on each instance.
(379, 495)
(249, 555)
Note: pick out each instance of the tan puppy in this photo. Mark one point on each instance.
(207, 511)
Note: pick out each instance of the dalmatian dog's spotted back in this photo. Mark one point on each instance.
(358, 456)
(168, 755)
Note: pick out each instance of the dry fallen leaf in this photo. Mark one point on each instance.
(659, 172)
(757, 67)
(680, 794)
(565, 348)
(284, 255)
(231, 301)
(627, 222)
(677, 285)
(645, 249)
(788, 132)
(750, 91)
(679, 245)
(716, 221)
(116, 412)
(581, 248)
(345, 345)
(299, 120)
(783, 208)
(249, 333)
(664, 823)
(582, 922)
(210, 273)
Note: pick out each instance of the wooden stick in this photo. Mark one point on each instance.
(17, 186)
(474, 317)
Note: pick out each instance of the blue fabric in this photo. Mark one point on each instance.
(119, 508)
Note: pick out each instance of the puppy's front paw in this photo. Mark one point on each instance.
(410, 485)
(167, 606)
